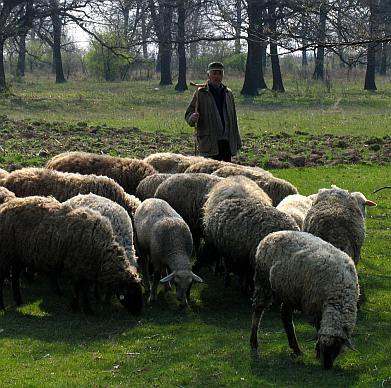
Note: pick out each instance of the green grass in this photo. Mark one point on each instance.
(306, 106)
(43, 343)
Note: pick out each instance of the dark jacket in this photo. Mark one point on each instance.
(210, 126)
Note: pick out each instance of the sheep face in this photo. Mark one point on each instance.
(327, 350)
(183, 280)
(131, 297)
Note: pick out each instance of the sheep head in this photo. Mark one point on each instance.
(328, 348)
(183, 280)
(130, 296)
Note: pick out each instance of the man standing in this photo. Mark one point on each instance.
(218, 134)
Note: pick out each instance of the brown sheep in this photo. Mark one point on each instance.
(127, 172)
(41, 233)
(62, 185)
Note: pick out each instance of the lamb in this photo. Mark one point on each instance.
(186, 193)
(338, 217)
(117, 215)
(276, 188)
(42, 233)
(165, 240)
(297, 206)
(62, 186)
(147, 187)
(308, 274)
(236, 226)
(6, 195)
(168, 162)
(127, 172)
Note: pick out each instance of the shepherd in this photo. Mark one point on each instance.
(213, 114)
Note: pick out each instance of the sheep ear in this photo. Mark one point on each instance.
(196, 278)
(370, 203)
(349, 344)
(168, 278)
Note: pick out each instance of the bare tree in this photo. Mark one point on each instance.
(253, 78)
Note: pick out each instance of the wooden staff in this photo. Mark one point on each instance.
(382, 188)
(198, 86)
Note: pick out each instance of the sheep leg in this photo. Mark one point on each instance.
(156, 279)
(16, 285)
(2, 307)
(256, 319)
(188, 292)
(144, 264)
(83, 293)
(286, 317)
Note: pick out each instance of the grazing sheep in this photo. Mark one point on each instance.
(117, 215)
(207, 166)
(236, 226)
(297, 206)
(338, 217)
(127, 172)
(168, 162)
(41, 233)
(3, 173)
(277, 189)
(63, 185)
(6, 195)
(235, 186)
(165, 240)
(147, 187)
(186, 194)
(308, 274)
(254, 173)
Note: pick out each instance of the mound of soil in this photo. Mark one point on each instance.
(33, 142)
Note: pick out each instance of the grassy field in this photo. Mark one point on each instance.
(308, 107)
(43, 343)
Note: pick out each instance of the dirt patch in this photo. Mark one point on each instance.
(33, 142)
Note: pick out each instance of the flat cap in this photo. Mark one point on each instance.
(215, 66)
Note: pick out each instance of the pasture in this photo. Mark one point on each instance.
(42, 343)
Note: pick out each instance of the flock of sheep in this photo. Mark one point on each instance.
(110, 224)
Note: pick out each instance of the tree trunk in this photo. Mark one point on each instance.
(20, 69)
(3, 85)
(253, 78)
(319, 60)
(278, 85)
(383, 59)
(238, 25)
(165, 64)
(56, 21)
(144, 36)
(181, 85)
(369, 83)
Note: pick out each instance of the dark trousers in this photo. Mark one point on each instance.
(224, 151)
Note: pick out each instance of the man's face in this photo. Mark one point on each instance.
(215, 77)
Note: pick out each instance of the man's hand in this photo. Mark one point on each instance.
(195, 117)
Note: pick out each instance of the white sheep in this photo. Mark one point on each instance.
(165, 241)
(297, 206)
(338, 217)
(236, 226)
(308, 274)
(117, 215)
